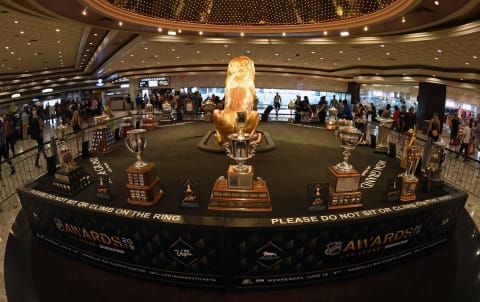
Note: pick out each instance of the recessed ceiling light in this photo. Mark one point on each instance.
(22, 32)
(16, 21)
(59, 52)
(57, 30)
(200, 33)
(241, 34)
(365, 28)
(436, 58)
(131, 54)
(172, 33)
(321, 58)
(313, 52)
(276, 54)
(325, 33)
(7, 47)
(358, 59)
(95, 34)
(284, 34)
(403, 19)
(58, 41)
(344, 33)
(382, 45)
(173, 49)
(439, 50)
(437, 3)
(84, 11)
(340, 51)
(198, 51)
(178, 57)
(12, 52)
(475, 57)
(29, 43)
(179, 31)
(289, 59)
(120, 23)
(146, 48)
(387, 53)
(467, 63)
(159, 29)
(228, 54)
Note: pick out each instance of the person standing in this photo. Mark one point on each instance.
(434, 128)
(36, 132)
(396, 118)
(9, 132)
(454, 128)
(322, 109)
(467, 137)
(277, 103)
(410, 120)
(76, 124)
(4, 150)
(25, 119)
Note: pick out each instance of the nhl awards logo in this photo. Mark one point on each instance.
(333, 248)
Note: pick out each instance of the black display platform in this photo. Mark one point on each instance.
(36, 273)
(216, 249)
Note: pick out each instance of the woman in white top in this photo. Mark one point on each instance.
(467, 137)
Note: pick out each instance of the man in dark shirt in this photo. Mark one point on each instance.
(402, 119)
(411, 119)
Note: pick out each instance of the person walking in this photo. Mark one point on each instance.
(4, 150)
(277, 103)
(467, 137)
(36, 132)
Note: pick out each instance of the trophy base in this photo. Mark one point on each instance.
(230, 199)
(104, 196)
(143, 186)
(103, 141)
(149, 123)
(409, 187)
(240, 180)
(71, 181)
(344, 200)
(331, 126)
(381, 149)
(145, 196)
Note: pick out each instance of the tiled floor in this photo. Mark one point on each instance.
(9, 208)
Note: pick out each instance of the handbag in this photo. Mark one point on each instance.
(434, 132)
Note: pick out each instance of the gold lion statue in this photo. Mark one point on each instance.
(239, 97)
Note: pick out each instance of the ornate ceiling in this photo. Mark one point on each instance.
(389, 41)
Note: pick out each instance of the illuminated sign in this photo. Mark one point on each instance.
(153, 82)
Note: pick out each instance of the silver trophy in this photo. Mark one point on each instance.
(241, 146)
(383, 131)
(136, 142)
(332, 120)
(435, 163)
(349, 138)
(100, 121)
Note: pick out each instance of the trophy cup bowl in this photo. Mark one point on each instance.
(349, 138)
(240, 148)
(100, 121)
(136, 142)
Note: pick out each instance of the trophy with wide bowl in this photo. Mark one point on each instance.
(240, 191)
(344, 180)
(142, 183)
(332, 118)
(385, 124)
(409, 180)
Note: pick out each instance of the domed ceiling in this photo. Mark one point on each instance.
(253, 12)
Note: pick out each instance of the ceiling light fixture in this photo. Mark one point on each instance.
(84, 11)
(365, 28)
(403, 19)
(325, 33)
(200, 33)
(159, 29)
(344, 33)
(120, 23)
(242, 34)
(172, 33)
(437, 3)
(284, 34)
(57, 30)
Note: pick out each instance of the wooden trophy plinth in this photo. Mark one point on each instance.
(103, 140)
(240, 192)
(409, 189)
(332, 125)
(143, 185)
(343, 189)
(149, 122)
(70, 181)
